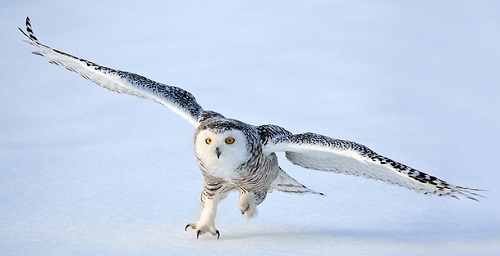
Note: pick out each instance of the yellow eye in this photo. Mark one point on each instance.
(208, 141)
(230, 140)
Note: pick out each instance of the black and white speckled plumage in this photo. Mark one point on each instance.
(175, 98)
(318, 152)
(234, 155)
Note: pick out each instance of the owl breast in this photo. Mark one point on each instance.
(225, 171)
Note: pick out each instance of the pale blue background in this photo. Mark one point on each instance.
(84, 171)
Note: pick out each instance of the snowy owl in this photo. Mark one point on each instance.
(234, 155)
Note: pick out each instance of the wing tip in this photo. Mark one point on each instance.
(470, 193)
(29, 31)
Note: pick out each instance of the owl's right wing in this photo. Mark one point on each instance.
(318, 152)
(178, 100)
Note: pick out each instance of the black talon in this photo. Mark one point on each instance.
(218, 234)
(198, 234)
(186, 228)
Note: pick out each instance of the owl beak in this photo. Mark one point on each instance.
(217, 152)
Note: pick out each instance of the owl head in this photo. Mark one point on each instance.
(223, 145)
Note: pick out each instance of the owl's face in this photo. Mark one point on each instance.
(221, 152)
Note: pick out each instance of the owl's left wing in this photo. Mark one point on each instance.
(318, 152)
(178, 100)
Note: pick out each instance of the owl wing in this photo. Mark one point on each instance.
(178, 100)
(318, 152)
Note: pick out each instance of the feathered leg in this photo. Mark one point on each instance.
(212, 194)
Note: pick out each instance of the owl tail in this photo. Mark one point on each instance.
(285, 183)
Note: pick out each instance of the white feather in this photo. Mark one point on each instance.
(178, 100)
(318, 152)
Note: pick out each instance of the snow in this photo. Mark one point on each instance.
(84, 171)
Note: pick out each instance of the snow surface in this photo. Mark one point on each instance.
(84, 171)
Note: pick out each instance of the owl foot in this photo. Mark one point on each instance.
(247, 205)
(203, 229)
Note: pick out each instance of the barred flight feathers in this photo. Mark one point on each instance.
(175, 98)
(318, 152)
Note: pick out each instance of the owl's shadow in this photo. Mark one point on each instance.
(319, 233)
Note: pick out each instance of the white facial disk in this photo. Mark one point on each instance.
(222, 153)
